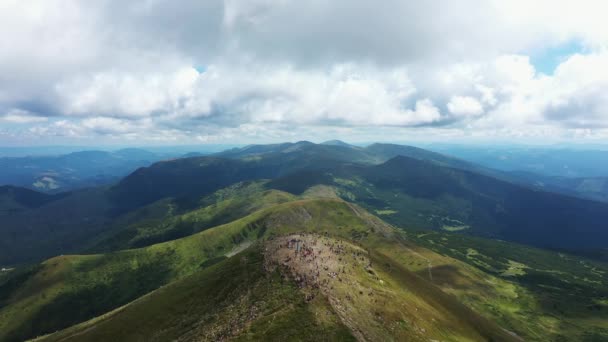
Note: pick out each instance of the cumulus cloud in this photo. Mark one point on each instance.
(126, 94)
(21, 117)
(226, 69)
(464, 106)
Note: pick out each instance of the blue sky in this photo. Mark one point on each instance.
(224, 71)
(548, 59)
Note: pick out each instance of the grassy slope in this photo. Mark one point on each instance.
(539, 294)
(145, 226)
(54, 296)
(376, 297)
(236, 298)
(232, 298)
(116, 278)
(555, 292)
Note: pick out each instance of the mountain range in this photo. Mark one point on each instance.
(301, 240)
(63, 172)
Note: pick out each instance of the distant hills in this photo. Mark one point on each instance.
(74, 170)
(549, 161)
(56, 173)
(336, 143)
(416, 189)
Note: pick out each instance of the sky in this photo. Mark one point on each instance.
(155, 72)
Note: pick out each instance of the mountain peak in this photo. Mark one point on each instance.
(336, 143)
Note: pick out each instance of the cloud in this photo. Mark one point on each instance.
(19, 116)
(578, 93)
(227, 69)
(464, 106)
(126, 94)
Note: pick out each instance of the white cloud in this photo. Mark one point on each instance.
(21, 117)
(346, 94)
(126, 94)
(464, 106)
(578, 91)
(117, 69)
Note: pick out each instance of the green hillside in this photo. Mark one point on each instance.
(233, 298)
(253, 304)
(67, 290)
(59, 284)
(164, 220)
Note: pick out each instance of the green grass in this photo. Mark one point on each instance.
(237, 299)
(70, 289)
(143, 228)
(234, 298)
(386, 212)
(406, 210)
(536, 294)
(381, 300)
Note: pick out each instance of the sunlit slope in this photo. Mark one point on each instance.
(71, 289)
(245, 298)
(234, 298)
(143, 228)
(552, 294)
(54, 295)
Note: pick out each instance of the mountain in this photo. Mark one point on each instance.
(338, 150)
(594, 188)
(74, 170)
(428, 191)
(590, 187)
(196, 176)
(306, 149)
(413, 193)
(163, 221)
(52, 230)
(191, 177)
(15, 199)
(240, 280)
(556, 162)
(57, 227)
(384, 152)
(373, 154)
(202, 266)
(336, 143)
(252, 150)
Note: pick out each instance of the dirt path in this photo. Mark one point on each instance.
(238, 248)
